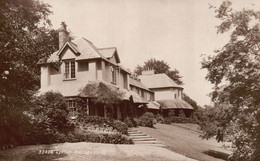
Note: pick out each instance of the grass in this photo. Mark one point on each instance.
(184, 139)
(35, 156)
(89, 151)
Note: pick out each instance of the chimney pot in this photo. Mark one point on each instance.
(63, 35)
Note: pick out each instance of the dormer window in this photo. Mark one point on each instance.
(70, 69)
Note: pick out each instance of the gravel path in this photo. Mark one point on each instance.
(184, 139)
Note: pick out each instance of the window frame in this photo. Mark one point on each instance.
(113, 73)
(72, 107)
(69, 69)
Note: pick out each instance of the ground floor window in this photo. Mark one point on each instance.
(71, 104)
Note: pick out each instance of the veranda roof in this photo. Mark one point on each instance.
(174, 104)
(90, 89)
(153, 105)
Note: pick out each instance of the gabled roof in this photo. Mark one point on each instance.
(174, 104)
(72, 46)
(84, 50)
(109, 53)
(158, 81)
(136, 83)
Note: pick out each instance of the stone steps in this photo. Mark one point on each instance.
(141, 138)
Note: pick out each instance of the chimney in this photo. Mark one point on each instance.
(148, 72)
(63, 34)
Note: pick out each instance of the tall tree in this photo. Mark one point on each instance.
(235, 71)
(160, 66)
(25, 37)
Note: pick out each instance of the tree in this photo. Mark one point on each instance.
(160, 66)
(25, 37)
(234, 70)
(193, 103)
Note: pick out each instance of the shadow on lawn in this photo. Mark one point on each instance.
(217, 154)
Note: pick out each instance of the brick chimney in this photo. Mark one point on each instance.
(149, 71)
(63, 34)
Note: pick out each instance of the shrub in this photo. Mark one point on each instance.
(120, 126)
(49, 122)
(131, 122)
(167, 120)
(128, 122)
(115, 139)
(98, 138)
(154, 121)
(136, 121)
(181, 114)
(171, 113)
(147, 119)
(95, 120)
(52, 105)
(159, 118)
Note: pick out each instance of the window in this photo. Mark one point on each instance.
(113, 72)
(142, 93)
(99, 65)
(70, 69)
(71, 104)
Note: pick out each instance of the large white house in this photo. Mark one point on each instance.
(78, 64)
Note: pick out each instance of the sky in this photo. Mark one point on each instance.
(176, 31)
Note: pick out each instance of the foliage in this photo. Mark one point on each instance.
(159, 118)
(25, 37)
(104, 94)
(193, 103)
(168, 120)
(159, 66)
(147, 119)
(171, 113)
(49, 120)
(52, 106)
(181, 114)
(119, 126)
(131, 122)
(128, 122)
(235, 72)
(99, 138)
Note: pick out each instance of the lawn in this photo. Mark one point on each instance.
(184, 139)
(83, 151)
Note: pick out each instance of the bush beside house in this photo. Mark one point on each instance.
(47, 122)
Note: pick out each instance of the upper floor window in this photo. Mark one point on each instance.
(70, 69)
(113, 72)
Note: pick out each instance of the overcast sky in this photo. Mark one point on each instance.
(176, 31)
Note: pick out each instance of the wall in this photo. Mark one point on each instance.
(167, 93)
(86, 70)
(147, 95)
(45, 76)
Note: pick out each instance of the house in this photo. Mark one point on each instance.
(79, 67)
(138, 87)
(166, 92)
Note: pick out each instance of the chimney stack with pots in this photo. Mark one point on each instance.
(63, 34)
